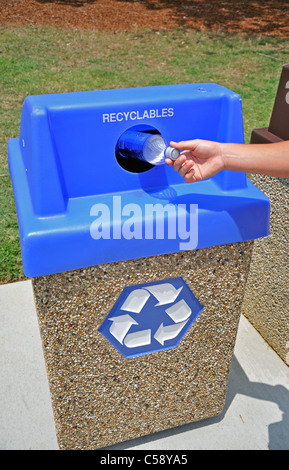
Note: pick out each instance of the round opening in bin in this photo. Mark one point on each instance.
(131, 144)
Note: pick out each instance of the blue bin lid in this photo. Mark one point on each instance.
(78, 207)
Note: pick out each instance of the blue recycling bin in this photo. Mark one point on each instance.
(64, 168)
(138, 278)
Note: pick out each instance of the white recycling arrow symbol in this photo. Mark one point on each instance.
(179, 311)
(135, 301)
(139, 338)
(121, 326)
(164, 333)
(165, 293)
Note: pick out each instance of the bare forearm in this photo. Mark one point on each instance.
(267, 159)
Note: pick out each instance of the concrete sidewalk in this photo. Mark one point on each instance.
(255, 417)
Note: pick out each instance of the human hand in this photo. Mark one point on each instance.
(200, 159)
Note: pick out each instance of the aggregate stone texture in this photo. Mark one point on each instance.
(98, 396)
(266, 301)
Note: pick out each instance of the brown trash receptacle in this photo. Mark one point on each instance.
(266, 302)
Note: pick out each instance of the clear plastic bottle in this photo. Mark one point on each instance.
(145, 146)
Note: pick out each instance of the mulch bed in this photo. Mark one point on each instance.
(267, 17)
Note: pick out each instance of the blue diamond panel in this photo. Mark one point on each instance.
(151, 317)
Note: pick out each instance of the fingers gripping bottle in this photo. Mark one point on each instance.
(145, 146)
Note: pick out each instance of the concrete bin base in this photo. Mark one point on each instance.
(266, 301)
(99, 397)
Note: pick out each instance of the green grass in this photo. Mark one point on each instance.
(37, 60)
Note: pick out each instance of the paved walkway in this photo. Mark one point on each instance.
(255, 417)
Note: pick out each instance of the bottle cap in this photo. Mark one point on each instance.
(172, 153)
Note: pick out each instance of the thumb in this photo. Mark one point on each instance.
(185, 144)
